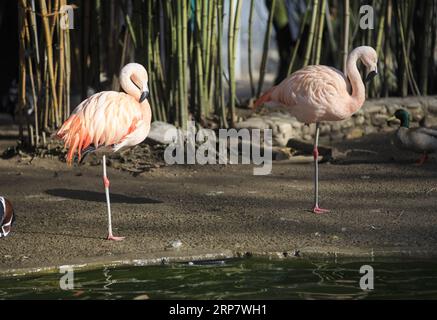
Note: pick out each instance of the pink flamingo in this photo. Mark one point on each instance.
(109, 121)
(320, 93)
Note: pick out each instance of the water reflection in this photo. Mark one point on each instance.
(238, 279)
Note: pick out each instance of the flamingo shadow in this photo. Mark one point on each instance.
(93, 196)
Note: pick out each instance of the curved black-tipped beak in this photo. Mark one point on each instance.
(144, 95)
(371, 75)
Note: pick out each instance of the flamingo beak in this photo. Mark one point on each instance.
(371, 74)
(144, 95)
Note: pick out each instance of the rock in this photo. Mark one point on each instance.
(418, 114)
(307, 137)
(412, 104)
(432, 105)
(359, 120)
(391, 108)
(379, 120)
(335, 127)
(162, 132)
(374, 109)
(338, 136)
(369, 130)
(355, 133)
(349, 123)
(429, 121)
(281, 154)
(252, 123)
(325, 129)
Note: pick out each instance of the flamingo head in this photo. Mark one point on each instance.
(137, 75)
(369, 58)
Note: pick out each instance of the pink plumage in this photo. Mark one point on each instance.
(320, 93)
(112, 121)
(108, 118)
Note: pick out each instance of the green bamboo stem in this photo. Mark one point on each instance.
(311, 33)
(320, 32)
(346, 22)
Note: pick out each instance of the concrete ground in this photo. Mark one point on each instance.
(380, 204)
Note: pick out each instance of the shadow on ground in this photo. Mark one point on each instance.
(93, 196)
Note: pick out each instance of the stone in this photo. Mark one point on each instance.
(335, 126)
(418, 114)
(307, 137)
(325, 129)
(349, 123)
(412, 104)
(429, 121)
(432, 105)
(338, 136)
(391, 108)
(369, 130)
(162, 132)
(355, 133)
(374, 109)
(252, 123)
(359, 120)
(379, 120)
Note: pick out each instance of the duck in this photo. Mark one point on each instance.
(7, 216)
(420, 140)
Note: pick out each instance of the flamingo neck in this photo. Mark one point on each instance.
(358, 91)
(128, 85)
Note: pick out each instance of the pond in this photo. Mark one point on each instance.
(250, 278)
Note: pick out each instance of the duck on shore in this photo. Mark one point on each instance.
(419, 140)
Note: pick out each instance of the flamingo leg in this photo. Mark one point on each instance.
(108, 202)
(316, 208)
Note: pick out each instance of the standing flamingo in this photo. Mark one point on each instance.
(320, 93)
(109, 121)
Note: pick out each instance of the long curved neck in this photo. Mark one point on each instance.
(128, 86)
(358, 91)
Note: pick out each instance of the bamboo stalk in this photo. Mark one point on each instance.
(249, 47)
(346, 21)
(49, 51)
(219, 71)
(320, 32)
(311, 33)
(232, 40)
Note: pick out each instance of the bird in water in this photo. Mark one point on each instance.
(109, 121)
(7, 216)
(320, 93)
(419, 140)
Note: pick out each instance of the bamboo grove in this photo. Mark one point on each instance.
(189, 48)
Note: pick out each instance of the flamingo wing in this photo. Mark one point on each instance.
(104, 119)
(311, 93)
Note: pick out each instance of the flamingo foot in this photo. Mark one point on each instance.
(318, 210)
(113, 238)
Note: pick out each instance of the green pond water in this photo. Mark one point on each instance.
(238, 279)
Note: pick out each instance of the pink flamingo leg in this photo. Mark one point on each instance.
(316, 208)
(106, 184)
